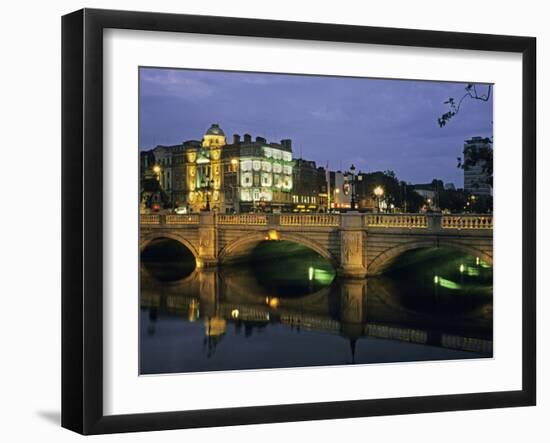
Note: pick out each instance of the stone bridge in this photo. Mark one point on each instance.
(356, 244)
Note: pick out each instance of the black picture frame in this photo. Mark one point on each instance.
(82, 218)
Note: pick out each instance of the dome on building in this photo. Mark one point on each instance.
(215, 130)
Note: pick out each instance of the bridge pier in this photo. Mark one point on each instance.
(208, 236)
(352, 243)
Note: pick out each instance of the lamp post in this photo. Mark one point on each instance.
(157, 170)
(353, 184)
(208, 186)
(352, 172)
(235, 197)
(378, 192)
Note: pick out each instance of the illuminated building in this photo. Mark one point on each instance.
(163, 167)
(259, 175)
(340, 190)
(212, 174)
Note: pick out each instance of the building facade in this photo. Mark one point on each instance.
(212, 174)
(339, 190)
(309, 193)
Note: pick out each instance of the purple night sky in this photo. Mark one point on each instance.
(374, 124)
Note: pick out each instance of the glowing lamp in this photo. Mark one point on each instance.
(379, 191)
(272, 235)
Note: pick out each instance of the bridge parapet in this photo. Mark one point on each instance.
(395, 221)
(399, 221)
(467, 222)
(149, 219)
(180, 219)
(309, 220)
(242, 219)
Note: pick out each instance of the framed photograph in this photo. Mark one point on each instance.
(269, 221)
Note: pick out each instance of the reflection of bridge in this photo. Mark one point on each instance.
(349, 311)
(356, 244)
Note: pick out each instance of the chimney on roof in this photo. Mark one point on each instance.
(287, 143)
(247, 138)
(236, 139)
(261, 140)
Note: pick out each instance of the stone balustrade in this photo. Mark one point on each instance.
(467, 222)
(309, 220)
(390, 221)
(181, 219)
(149, 219)
(242, 219)
(395, 221)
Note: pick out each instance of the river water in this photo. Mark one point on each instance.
(286, 307)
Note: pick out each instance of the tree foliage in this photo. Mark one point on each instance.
(481, 156)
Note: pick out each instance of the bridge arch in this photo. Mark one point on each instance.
(146, 239)
(245, 243)
(383, 260)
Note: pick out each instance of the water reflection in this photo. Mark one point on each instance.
(282, 314)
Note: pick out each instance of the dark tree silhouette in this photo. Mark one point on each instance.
(454, 105)
(482, 156)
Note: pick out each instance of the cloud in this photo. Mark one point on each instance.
(327, 113)
(174, 83)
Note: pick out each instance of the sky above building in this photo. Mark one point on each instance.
(375, 124)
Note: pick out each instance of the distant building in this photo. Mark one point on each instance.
(339, 190)
(476, 180)
(449, 187)
(163, 167)
(309, 193)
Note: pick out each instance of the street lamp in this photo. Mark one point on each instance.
(156, 170)
(353, 183)
(235, 198)
(207, 184)
(379, 192)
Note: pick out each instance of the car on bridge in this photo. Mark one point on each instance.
(181, 210)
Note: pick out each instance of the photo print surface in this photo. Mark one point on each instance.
(299, 220)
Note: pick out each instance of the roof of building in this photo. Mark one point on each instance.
(215, 130)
